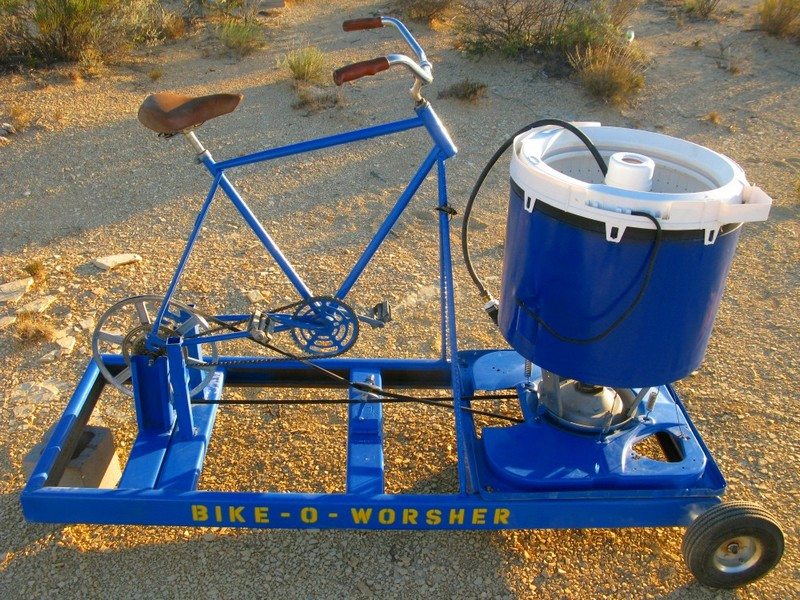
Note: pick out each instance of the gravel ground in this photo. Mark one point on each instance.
(86, 181)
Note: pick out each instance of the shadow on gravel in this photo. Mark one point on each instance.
(16, 534)
(274, 564)
(80, 180)
(695, 591)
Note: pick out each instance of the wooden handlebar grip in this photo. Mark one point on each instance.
(359, 24)
(360, 69)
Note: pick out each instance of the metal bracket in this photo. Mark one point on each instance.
(529, 203)
(260, 327)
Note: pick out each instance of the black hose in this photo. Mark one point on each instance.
(626, 313)
(468, 208)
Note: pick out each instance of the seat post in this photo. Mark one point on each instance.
(194, 142)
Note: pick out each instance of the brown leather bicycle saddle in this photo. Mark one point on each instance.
(166, 112)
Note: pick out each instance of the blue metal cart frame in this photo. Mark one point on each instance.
(158, 485)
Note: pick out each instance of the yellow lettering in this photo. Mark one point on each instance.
(433, 516)
(218, 513)
(235, 514)
(308, 514)
(199, 512)
(501, 516)
(456, 516)
(361, 515)
(478, 516)
(261, 514)
(410, 516)
(386, 516)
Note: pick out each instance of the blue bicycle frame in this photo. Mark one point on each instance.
(443, 149)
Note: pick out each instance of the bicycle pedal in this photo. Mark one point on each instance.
(259, 327)
(378, 316)
(382, 312)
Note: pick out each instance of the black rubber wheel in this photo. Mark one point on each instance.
(732, 544)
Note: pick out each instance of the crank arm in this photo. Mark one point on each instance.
(374, 323)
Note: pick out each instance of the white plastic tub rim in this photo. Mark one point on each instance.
(694, 188)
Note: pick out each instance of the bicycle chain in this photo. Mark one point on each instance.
(287, 356)
(363, 387)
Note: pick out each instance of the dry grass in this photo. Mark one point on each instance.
(466, 89)
(797, 189)
(713, 117)
(619, 11)
(702, 9)
(614, 74)
(240, 36)
(21, 117)
(37, 270)
(75, 76)
(780, 18)
(32, 327)
(728, 59)
(173, 26)
(155, 74)
(422, 10)
(92, 63)
(307, 64)
(314, 98)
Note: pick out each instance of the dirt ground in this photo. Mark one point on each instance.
(86, 180)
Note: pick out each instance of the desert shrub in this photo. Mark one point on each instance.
(163, 24)
(172, 25)
(466, 89)
(45, 31)
(514, 27)
(511, 27)
(619, 11)
(780, 17)
(702, 9)
(241, 36)
(613, 73)
(422, 10)
(306, 64)
(239, 9)
(586, 27)
(587, 39)
(32, 327)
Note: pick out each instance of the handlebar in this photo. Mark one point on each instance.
(422, 71)
(359, 24)
(360, 69)
(413, 44)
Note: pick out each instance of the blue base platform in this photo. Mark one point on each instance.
(531, 475)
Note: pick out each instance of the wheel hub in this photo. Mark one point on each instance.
(135, 342)
(738, 554)
(124, 329)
